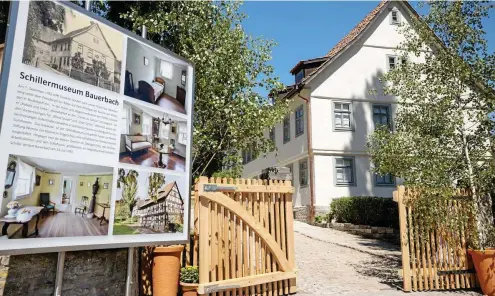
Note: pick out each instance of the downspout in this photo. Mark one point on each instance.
(311, 161)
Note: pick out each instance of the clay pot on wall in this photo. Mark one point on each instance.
(484, 263)
(166, 270)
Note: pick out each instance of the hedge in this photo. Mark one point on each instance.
(365, 210)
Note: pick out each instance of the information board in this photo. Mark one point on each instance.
(95, 134)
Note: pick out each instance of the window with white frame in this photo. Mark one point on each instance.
(164, 130)
(395, 61)
(299, 118)
(382, 116)
(247, 156)
(384, 180)
(342, 113)
(126, 115)
(272, 134)
(166, 69)
(345, 171)
(286, 128)
(90, 53)
(303, 172)
(24, 181)
(394, 17)
(80, 48)
(146, 124)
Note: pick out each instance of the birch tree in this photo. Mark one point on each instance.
(443, 133)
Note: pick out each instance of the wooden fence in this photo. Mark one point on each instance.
(433, 262)
(244, 237)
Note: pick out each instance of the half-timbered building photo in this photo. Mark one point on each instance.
(148, 202)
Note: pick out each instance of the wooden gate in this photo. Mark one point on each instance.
(244, 240)
(432, 263)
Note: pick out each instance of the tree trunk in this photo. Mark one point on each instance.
(481, 206)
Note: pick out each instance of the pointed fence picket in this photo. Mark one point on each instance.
(243, 238)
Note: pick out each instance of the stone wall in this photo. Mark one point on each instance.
(31, 275)
(101, 272)
(384, 233)
(301, 213)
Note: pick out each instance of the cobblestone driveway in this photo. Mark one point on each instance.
(332, 262)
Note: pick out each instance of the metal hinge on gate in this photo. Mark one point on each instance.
(448, 272)
(214, 187)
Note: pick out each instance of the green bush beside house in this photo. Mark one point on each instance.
(365, 210)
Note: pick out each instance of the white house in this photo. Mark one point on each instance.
(335, 106)
(90, 43)
(58, 50)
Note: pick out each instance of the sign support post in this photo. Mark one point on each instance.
(60, 274)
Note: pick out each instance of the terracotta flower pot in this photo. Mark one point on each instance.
(166, 270)
(189, 289)
(484, 263)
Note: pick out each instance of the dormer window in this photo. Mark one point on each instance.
(394, 17)
(299, 76)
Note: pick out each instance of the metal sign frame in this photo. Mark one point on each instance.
(109, 241)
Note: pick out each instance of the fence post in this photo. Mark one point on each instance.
(404, 241)
(289, 216)
(204, 256)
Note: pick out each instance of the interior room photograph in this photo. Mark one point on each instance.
(152, 138)
(51, 198)
(154, 77)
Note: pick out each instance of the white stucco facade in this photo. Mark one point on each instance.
(287, 154)
(350, 77)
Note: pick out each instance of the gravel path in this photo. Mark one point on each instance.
(331, 262)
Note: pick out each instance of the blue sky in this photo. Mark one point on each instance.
(305, 30)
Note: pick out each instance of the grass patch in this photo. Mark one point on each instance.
(123, 229)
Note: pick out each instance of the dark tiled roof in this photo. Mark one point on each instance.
(75, 32)
(315, 60)
(161, 195)
(82, 30)
(355, 31)
(287, 89)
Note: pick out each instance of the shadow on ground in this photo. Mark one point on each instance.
(378, 245)
(383, 268)
(386, 270)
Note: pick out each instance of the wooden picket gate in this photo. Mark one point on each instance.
(244, 237)
(432, 263)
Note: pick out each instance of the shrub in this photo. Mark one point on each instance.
(365, 210)
(122, 212)
(319, 219)
(189, 274)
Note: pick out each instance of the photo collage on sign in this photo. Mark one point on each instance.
(144, 190)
